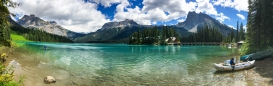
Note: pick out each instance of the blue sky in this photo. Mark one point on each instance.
(89, 15)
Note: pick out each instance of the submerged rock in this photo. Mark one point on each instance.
(49, 79)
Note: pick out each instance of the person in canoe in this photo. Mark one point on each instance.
(44, 47)
(232, 64)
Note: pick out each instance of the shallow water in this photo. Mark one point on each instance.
(121, 64)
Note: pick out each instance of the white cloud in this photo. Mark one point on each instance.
(230, 26)
(245, 28)
(154, 10)
(164, 11)
(181, 20)
(154, 22)
(241, 16)
(206, 7)
(240, 5)
(107, 3)
(221, 17)
(74, 15)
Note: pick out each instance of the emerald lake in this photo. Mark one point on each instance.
(122, 64)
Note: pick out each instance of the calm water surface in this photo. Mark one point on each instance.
(122, 64)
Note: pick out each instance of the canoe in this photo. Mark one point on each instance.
(259, 55)
(242, 58)
(239, 66)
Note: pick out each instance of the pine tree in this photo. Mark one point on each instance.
(259, 33)
(237, 32)
(242, 32)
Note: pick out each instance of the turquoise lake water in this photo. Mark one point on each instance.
(122, 64)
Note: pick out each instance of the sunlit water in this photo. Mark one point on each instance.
(122, 64)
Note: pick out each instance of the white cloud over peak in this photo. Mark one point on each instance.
(181, 20)
(231, 26)
(74, 15)
(240, 5)
(241, 16)
(107, 3)
(206, 7)
(154, 10)
(221, 17)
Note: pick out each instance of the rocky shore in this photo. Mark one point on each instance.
(261, 74)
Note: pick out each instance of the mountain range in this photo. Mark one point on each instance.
(120, 31)
(33, 22)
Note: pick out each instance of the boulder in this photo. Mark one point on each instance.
(49, 79)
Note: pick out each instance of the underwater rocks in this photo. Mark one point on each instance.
(49, 79)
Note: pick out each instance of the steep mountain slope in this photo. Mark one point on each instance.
(48, 26)
(20, 33)
(195, 21)
(120, 31)
(122, 24)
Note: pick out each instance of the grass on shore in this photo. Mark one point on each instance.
(18, 38)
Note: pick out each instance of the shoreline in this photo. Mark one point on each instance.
(29, 66)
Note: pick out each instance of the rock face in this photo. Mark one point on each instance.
(49, 79)
(196, 20)
(47, 26)
(122, 24)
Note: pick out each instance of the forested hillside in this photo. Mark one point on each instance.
(259, 26)
(4, 29)
(212, 34)
(154, 36)
(38, 35)
(35, 34)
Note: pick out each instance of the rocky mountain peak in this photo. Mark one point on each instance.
(27, 20)
(121, 24)
(33, 22)
(195, 20)
(53, 22)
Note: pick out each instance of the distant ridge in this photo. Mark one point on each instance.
(52, 27)
(121, 24)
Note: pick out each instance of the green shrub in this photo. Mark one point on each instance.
(6, 77)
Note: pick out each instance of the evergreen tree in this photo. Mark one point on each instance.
(237, 32)
(152, 36)
(205, 34)
(231, 35)
(242, 32)
(259, 27)
(37, 35)
(4, 23)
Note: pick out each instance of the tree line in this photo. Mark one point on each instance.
(4, 24)
(205, 34)
(154, 36)
(259, 26)
(211, 34)
(235, 35)
(38, 35)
